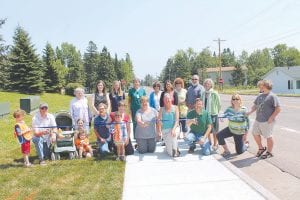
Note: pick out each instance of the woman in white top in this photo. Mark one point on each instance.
(183, 109)
(79, 108)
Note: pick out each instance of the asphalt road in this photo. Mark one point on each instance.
(286, 133)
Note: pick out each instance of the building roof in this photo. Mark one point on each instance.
(224, 69)
(293, 71)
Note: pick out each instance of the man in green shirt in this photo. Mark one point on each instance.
(200, 123)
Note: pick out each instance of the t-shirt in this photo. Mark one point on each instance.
(203, 119)
(168, 118)
(135, 96)
(193, 93)
(238, 121)
(115, 98)
(181, 103)
(265, 106)
(148, 117)
(100, 126)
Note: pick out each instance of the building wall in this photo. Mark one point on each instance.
(280, 83)
(225, 75)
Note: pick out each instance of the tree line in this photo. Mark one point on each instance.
(187, 62)
(23, 70)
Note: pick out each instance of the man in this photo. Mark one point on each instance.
(44, 129)
(200, 123)
(194, 91)
(267, 107)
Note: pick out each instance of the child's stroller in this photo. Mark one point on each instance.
(65, 137)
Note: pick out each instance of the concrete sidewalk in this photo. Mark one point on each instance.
(191, 176)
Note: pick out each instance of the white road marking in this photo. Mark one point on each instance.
(289, 129)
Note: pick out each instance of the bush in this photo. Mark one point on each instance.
(71, 87)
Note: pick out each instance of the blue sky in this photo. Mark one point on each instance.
(152, 31)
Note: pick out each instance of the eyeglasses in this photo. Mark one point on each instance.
(194, 79)
(177, 83)
(44, 108)
(235, 99)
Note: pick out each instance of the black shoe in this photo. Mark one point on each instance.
(191, 150)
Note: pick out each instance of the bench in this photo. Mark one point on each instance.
(4, 109)
(30, 103)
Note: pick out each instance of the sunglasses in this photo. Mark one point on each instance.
(235, 99)
(44, 108)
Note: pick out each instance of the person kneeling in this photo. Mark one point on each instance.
(200, 124)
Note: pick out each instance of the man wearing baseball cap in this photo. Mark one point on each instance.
(44, 129)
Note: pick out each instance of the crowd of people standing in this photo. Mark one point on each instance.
(166, 114)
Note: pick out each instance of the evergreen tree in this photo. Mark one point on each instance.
(118, 68)
(91, 59)
(3, 61)
(51, 74)
(238, 76)
(25, 69)
(106, 70)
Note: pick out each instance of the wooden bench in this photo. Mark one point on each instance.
(4, 109)
(30, 103)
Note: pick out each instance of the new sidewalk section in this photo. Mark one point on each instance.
(191, 176)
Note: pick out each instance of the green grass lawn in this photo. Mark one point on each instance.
(64, 179)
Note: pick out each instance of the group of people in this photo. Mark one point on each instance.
(167, 114)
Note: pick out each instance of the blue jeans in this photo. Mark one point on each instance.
(41, 147)
(103, 147)
(192, 139)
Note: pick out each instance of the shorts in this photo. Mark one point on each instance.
(215, 124)
(119, 143)
(263, 128)
(25, 147)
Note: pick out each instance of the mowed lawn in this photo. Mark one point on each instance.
(64, 179)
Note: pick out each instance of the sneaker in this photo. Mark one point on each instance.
(226, 154)
(43, 163)
(28, 164)
(215, 147)
(118, 158)
(123, 158)
(191, 150)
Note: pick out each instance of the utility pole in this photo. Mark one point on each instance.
(220, 65)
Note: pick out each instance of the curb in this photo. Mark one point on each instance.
(252, 183)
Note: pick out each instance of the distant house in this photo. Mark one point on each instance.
(286, 80)
(213, 73)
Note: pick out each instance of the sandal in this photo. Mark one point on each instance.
(260, 151)
(267, 155)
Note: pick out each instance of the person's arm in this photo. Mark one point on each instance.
(253, 109)
(175, 96)
(176, 122)
(161, 99)
(129, 100)
(108, 103)
(138, 118)
(95, 110)
(208, 130)
(274, 114)
(159, 123)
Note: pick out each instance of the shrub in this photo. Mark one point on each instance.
(71, 87)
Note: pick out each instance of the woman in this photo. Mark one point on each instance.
(100, 96)
(155, 96)
(237, 127)
(134, 96)
(126, 119)
(79, 108)
(169, 117)
(181, 92)
(168, 88)
(116, 95)
(212, 104)
(146, 119)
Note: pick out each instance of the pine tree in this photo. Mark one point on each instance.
(91, 59)
(25, 69)
(51, 74)
(118, 68)
(106, 70)
(238, 76)
(3, 60)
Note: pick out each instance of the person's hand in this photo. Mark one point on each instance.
(201, 141)
(173, 133)
(270, 120)
(102, 140)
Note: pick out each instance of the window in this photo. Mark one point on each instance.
(298, 84)
(291, 85)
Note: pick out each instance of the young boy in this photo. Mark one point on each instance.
(23, 133)
(83, 145)
(267, 108)
(120, 136)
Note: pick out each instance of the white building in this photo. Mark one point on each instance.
(286, 80)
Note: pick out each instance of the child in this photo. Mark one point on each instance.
(23, 133)
(79, 127)
(83, 145)
(120, 136)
